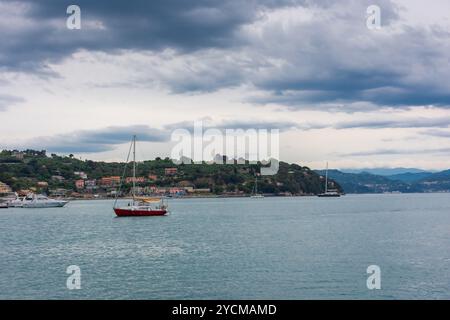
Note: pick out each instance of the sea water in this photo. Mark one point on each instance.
(231, 248)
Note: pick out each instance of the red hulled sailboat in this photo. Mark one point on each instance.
(139, 206)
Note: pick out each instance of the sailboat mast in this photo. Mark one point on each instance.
(134, 166)
(326, 179)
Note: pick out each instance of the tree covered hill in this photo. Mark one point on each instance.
(410, 177)
(436, 182)
(365, 182)
(23, 170)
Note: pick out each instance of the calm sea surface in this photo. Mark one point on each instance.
(271, 248)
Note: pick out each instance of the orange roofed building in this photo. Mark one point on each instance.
(110, 181)
(4, 188)
(137, 180)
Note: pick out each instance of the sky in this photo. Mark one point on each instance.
(337, 90)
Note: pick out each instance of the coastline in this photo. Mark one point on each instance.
(249, 196)
(194, 197)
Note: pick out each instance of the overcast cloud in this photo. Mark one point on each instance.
(293, 64)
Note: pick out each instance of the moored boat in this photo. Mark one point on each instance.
(16, 203)
(328, 193)
(41, 201)
(255, 193)
(139, 206)
(139, 211)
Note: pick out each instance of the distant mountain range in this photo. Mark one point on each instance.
(390, 180)
(410, 177)
(387, 171)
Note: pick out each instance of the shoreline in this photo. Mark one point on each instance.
(191, 197)
(249, 196)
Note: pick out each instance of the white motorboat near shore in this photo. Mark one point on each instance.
(41, 201)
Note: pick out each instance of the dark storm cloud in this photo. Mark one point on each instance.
(340, 93)
(38, 32)
(331, 58)
(348, 63)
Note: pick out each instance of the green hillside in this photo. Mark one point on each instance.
(30, 167)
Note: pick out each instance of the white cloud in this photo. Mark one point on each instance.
(346, 87)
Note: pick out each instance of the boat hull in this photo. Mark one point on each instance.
(56, 204)
(15, 204)
(324, 195)
(139, 213)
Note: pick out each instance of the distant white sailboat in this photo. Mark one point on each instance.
(256, 194)
(328, 193)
